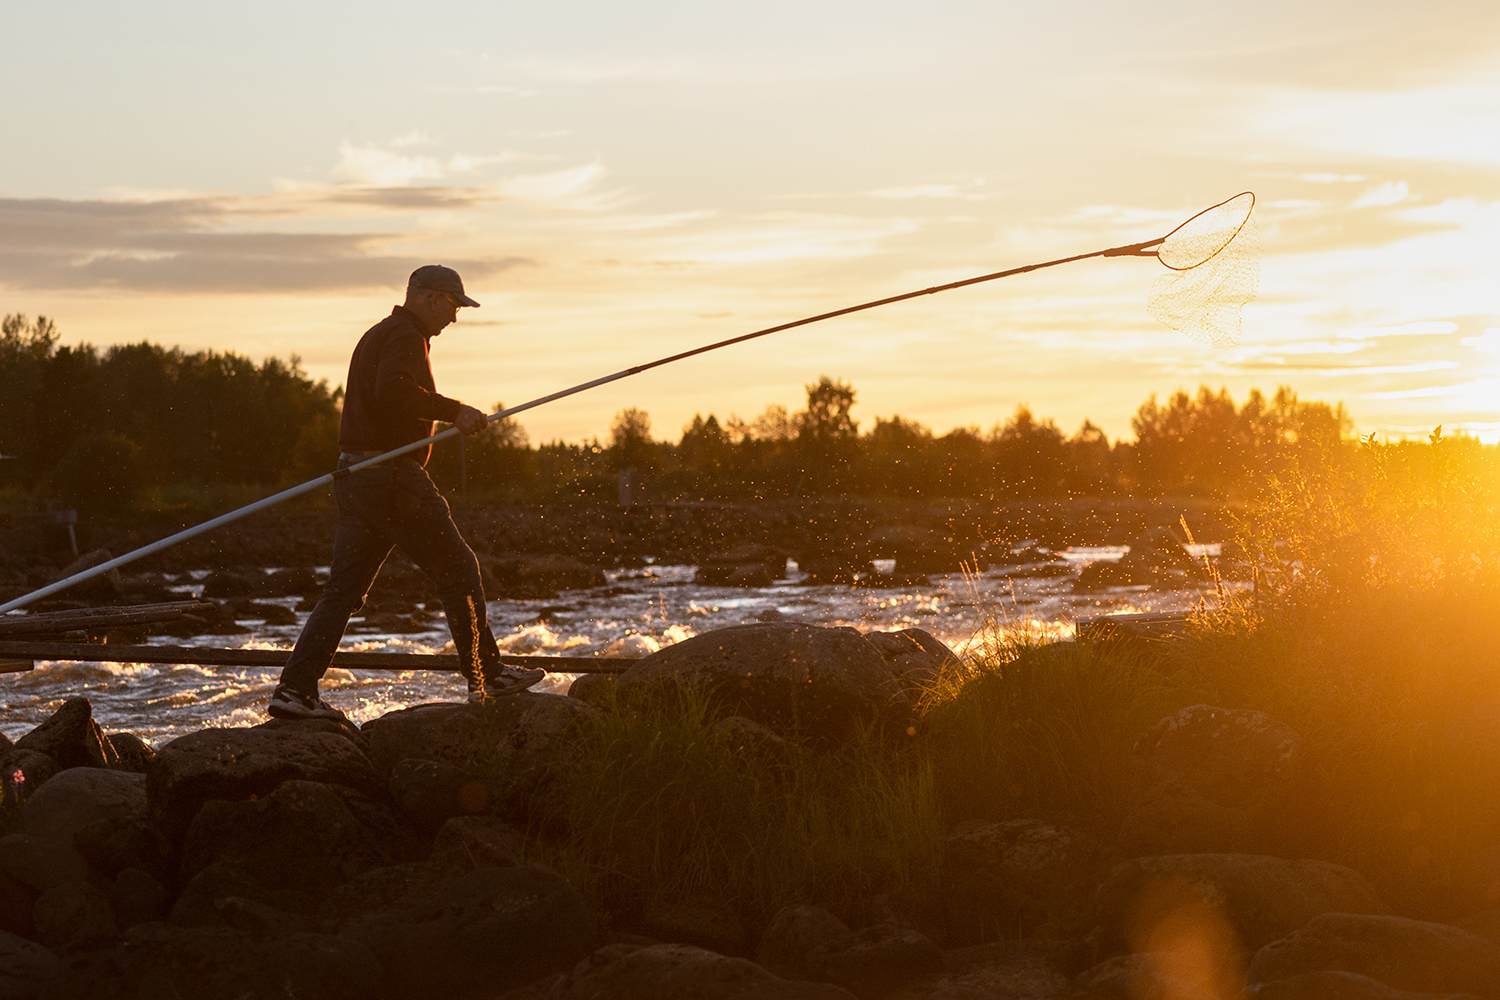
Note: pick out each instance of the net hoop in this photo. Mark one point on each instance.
(1205, 235)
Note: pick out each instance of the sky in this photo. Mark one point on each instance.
(620, 182)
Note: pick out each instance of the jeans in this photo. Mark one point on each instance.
(393, 503)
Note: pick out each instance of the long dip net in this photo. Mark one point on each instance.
(1214, 262)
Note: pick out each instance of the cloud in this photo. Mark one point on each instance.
(1487, 342)
(1386, 194)
(932, 191)
(198, 244)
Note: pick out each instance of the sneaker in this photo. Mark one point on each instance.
(288, 703)
(508, 680)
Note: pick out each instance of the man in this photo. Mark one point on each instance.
(390, 400)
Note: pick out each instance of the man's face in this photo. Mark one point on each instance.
(442, 310)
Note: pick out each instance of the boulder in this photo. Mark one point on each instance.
(137, 897)
(593, 689)
(746, 565)
(40, 862)
(791, 677)
(465, 735)
(915, 656)
(478, 934)
(1340, 986)
(16, 901)
(161, 960)
(134, 753)
(541, 575)
(75, 915)
(430, 792)
(25, 967)
(680, 972)
(1406, 954)
(807, 942)
(234, 764)
(701, 921)
(79, 796)
(468, 842)
(307, 833)
(72, 737)
(22, 773)
(301, 581)
(919, 549)
(1021, 877)
(217, 888)
(115, 843)
(1259, 899)
(1212, 779)
(529, 750)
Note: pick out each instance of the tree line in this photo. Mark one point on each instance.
(127, 425)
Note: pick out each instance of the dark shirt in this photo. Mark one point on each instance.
(390, 398)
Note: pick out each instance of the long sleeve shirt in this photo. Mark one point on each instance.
(390, 398)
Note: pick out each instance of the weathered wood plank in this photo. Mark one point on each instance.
(206, 656)
(50, 622)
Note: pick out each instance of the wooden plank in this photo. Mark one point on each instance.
(75, 619)
(206, 656)
(8, 666)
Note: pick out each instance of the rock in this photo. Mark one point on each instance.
(1338, 986)
(468, 842)
(208, 893)
(79, 796)
(541, 575)
(299, 581)
(680, 972)
(793, 678)
(113, 844)
(1259, 899)
(806, 942)
(704, 922)
(208, 963)
(526, 754)
(593, 689)
(71, 737)
(5, 743)
(25, 967)
(919, 549)
(137, 897)
(482, 932)
(464, 735)
(1213, 780)
(135, 754)
(430, 792)
(307, 833)
(229, 583)
(746, 734)
(73, 916)
(1407, 954)
(22, 773)
(236, 764)
(746, 565)
(16, 901)
(915, 656)
(40, 862)
(1021, 877)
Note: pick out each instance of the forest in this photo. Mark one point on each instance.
(145, 427)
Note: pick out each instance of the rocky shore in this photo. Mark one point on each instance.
(399, 860)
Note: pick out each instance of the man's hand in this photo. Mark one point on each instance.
(470, 420)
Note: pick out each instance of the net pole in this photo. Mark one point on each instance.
(1128, 250)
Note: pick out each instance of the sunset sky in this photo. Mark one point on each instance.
(617, 182)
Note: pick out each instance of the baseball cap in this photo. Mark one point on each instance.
(437, 278)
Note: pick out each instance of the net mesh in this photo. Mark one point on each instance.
(1215, 262)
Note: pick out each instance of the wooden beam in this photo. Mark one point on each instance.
(51, 622)
(8, 666)
(206, 656)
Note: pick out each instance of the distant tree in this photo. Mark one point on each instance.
(1031, 456)
(630, 444)
(897, 458)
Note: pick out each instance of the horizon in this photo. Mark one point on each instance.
(617, 185)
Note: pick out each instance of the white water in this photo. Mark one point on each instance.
(662, 605)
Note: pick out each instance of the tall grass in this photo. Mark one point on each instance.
(655, 804)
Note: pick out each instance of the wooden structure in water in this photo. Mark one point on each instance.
(62, 635)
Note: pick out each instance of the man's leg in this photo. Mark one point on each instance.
(360, 547)
(426, 533)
